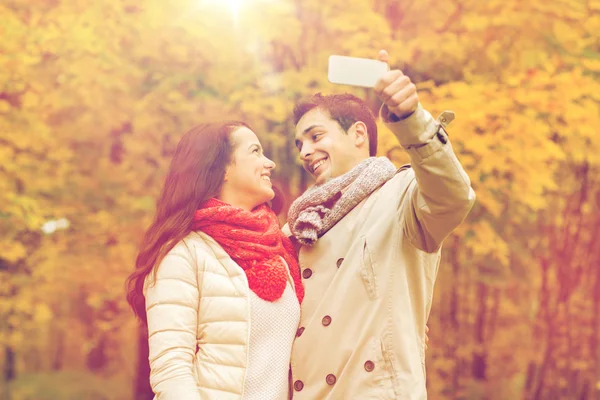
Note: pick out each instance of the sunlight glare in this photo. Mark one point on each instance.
(233, 5)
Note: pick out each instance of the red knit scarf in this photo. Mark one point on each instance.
(254, 241)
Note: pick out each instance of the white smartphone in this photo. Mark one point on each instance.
(355, 71)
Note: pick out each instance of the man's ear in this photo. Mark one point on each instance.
(361, 136)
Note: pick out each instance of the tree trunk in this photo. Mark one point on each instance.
(480, 356)
(57, 358)
(96, 359)
(595, 345)
(9, 364)
(454, 318)
(143, 390)
(546, 363)
(9, 371)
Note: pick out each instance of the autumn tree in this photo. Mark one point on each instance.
(94, 97)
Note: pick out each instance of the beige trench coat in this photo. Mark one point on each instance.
(369, 280)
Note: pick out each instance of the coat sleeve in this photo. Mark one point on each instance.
(439, 194)
(172, 310)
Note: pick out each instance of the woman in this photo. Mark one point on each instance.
(216, 280)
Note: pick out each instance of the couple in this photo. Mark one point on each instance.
(341, 295)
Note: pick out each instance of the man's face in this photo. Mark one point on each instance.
(325, 149)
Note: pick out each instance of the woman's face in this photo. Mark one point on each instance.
(248, 177)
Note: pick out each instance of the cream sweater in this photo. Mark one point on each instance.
(272, 332)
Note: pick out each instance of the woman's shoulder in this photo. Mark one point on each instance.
(199, 244)
(186, 255)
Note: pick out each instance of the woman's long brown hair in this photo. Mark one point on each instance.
(195, 175)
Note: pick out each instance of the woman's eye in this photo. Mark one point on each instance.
(317, 136)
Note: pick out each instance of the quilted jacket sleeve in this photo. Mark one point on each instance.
(172, 310)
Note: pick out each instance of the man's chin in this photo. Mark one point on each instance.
(322, 177)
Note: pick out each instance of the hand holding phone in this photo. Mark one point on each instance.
(354, 71)
(398, 93)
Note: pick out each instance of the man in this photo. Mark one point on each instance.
(370, 239)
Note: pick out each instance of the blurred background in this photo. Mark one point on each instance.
(94, 95)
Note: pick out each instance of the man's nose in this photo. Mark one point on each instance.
(306, 151)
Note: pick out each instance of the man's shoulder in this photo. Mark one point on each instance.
(404, 174)
(404, 171)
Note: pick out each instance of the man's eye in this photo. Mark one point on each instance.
(316, 136)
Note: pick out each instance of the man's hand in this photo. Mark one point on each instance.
(396, 90)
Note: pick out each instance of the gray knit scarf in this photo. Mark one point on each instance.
(322, 206)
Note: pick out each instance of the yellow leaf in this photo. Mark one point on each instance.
(12, 251)
(43, 313)
(4, 106)
(30, 100)
(593, 65)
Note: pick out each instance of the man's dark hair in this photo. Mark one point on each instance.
(346, 109)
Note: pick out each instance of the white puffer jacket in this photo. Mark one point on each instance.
(198, 323)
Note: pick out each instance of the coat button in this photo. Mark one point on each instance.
(299, 331)
(369, 366)
(298, 385)
(339, 262)
(330, 379)
(326, 320)
(307, 273)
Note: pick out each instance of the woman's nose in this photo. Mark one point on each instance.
(270, 164)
